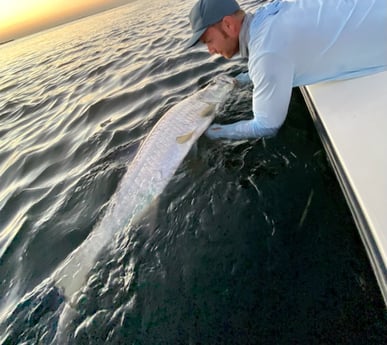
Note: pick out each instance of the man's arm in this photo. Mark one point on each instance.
(273, 79)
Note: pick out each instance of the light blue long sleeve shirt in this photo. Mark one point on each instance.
(300, 42)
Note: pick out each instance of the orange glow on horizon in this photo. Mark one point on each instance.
(22, 17)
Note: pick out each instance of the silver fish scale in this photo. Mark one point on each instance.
(179, 121)
(148, 174)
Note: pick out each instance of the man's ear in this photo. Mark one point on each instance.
(230, 26)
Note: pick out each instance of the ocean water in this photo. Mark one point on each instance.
(251, 243)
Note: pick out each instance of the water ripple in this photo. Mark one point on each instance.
(75, 104)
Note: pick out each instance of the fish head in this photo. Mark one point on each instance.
(219, 88)
(224, 79)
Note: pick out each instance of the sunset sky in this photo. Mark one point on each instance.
(23, 17)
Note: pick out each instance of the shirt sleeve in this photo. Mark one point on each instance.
(272, 76)
(273, 79)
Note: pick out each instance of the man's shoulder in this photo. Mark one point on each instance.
(261, 24)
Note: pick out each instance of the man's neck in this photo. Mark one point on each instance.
(244, 35)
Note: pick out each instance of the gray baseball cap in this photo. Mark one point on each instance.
(206, 13)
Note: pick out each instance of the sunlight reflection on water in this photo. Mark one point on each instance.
(215, 261)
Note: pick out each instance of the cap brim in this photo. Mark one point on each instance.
(195, 38)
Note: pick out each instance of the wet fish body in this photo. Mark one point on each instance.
(151, 170)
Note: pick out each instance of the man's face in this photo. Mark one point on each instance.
(219, 42)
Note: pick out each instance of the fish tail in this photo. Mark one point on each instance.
(66, 318)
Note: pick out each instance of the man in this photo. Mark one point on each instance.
(291, 43)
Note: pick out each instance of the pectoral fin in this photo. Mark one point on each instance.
(184, 138)
(208, 110)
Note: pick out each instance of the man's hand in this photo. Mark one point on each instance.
(243, 78)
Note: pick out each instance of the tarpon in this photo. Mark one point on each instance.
(153, 167)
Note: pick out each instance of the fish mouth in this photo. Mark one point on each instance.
(223, 78)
